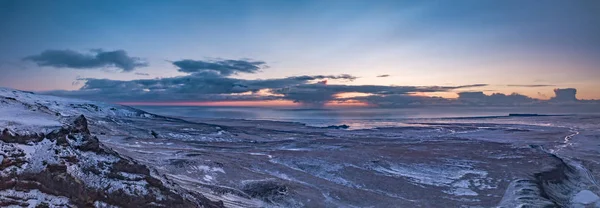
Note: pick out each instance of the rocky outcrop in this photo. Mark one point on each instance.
(561, 184)
(271, 191)
(69, 167)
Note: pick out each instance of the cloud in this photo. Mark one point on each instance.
(565, 95)
(392, 101)
(142, 74)
(292, 81)
(193, 87)
(383, 75)
(542, 95)
(540, 85)
(479, 98)
(222, 67)
(319, 93)
(93, 60)
(203, 86)
(309, 90)
(209, 81)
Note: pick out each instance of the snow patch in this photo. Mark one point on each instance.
(461, 192)
(208, 169)
(585, 197)
(208, 178)
(34, 198)
(429, 175)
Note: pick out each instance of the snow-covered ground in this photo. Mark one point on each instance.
(49, 158)
(505, 162)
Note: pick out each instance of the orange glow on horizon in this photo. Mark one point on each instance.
(347, 104)
(351, 94)
(270, 103)
(447, 95)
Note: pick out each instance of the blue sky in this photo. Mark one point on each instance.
(417, 43)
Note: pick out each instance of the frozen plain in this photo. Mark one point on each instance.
(549, 161)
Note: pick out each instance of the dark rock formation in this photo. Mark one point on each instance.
(343, 126)
(72, 163)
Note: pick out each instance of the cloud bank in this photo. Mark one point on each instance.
(212, 81)
(94, 60)
(479, 98)
(565, 95)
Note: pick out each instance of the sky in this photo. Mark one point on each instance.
(304, 52)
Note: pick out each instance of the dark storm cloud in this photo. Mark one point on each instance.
(565, 95)
(310, 90)
(208, 86)
(156, 96)
(293, 81)
(320, 93)
(342, 77)
(194, 87)
(479, 98)
(209, 81)
(535, 85)
(446, 88)
(383, 75)
(223, 67)
(203, 83)
(95, 59)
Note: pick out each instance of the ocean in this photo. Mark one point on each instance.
(360, 117)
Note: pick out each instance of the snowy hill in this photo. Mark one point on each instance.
(49, 158)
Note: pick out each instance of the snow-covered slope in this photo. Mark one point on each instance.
(49, 158)
(119, 156)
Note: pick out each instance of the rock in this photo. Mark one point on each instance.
(12, 137)
(343, 126)
(268, 190)
(96, 173)
(81, 125)
(585, 197)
